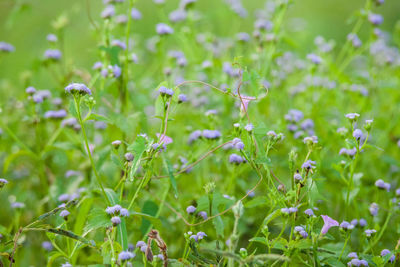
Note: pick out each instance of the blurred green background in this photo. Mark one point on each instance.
(25, 24)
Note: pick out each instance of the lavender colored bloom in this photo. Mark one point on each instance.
(64, 198)
(115, 220)
(17, 205)
(129, 156)
(6, 47)
(362, 222)
(169, 92)
(285, 211)
(354, 222)
(328, 223)
(211, 134)
(298, 229)
(97, 65)
(294, 115)
(382, 185)
(53, 54)
(309, 212)
(292, 209)
(55, 114)
(143, 248)
(373, 209)
(119, 44)
(385, 252)
(182, 98)
(177, 15)
(140, 244)
(364, 262)
(303, 234)
(136, 14)
(375, 19)
(369, 232)
(124, 212)
(47, 245)
(355, 41)
(67, 264)
(194, 237)
(352, 116)
(239, 146)
(352, 255)
(52, 38)
(116, 71)
(354, 262)
(164, 29)
(307, 124)
(3, 182)
(121, 19)
(201, 235)
(77, 88)
(346, 225)
(108, 12)
(309, 164)
(236, 159)
(243, 36)
(262, 24)
(30, 90)
(249, 127)
(64, 214)
(116, 143)
(160, 256)
(203, 214)
(357, 134)
(314, 58)
(191, 209)
(125, 255)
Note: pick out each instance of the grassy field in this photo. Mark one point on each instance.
(199, 133)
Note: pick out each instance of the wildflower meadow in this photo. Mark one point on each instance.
(199, 133)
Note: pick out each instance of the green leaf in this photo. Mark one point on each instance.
(150, 208)
(257, 201)
(170, 171)
(97, 218)
(259, 239)
(98, 117)
(112, 196)
(84, 210)
(137, 148)
(70, 234)
(334, 262)
(122, 234)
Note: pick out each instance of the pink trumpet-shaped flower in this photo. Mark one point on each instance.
(245, 102)
(164, 138)
(328, 223)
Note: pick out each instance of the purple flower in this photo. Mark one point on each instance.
(53, 54)
(375, 19)
(177, 15)
(119, 44)
(294, 115)
(6, 47)
(314, 58)
(354, 262)
(52, 38)
(64, 214)
(373, 209)
(79, 88)
(55, 114)
(136, 14)
(164, 29)
(3, 182)
(249, 127)
(385, 252)
(125, 255)
(182, 98)
(108, 12)
(355, 41)
(309, 164)
(362, 222)
(357, 134)
(140, 244)
(115, 220)
(211, 134)
(47, 245)
(328, 223)
(346, 225)
(352, 116)
(203, 214)
(194, 237)
(116, 71)
(191, 209)
(309, 212)
(124, 212)
(236, 159)
(285, 211)
(352, 255)
(369, 232)
(30, 90)
(382, 185)
(17, 205)
(201, 235)
(129, 156)
(116, 143)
